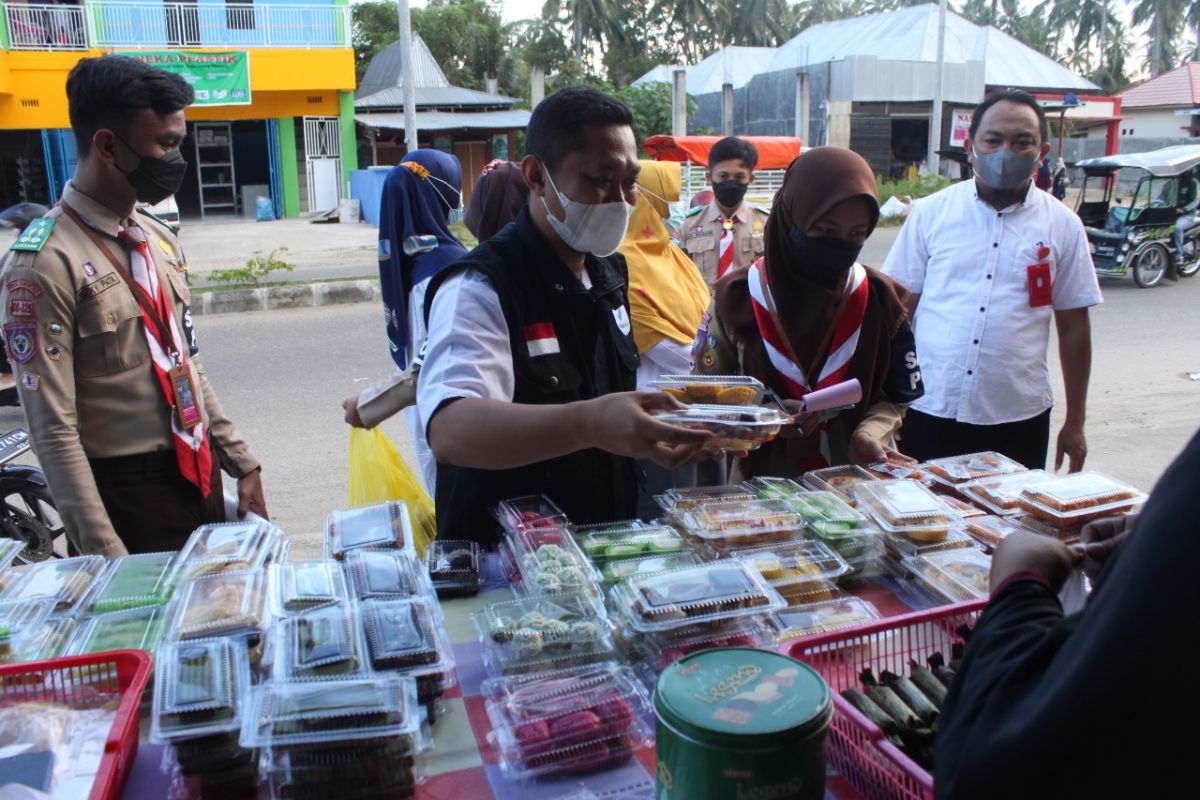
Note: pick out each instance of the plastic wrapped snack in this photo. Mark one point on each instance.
(65, 581)
(955, 576)
(405, 636)
(1068, 500)
(900, 545)
(324, 712)
(9, 550)
(602, 543)
(322, 643)
(734, 428)
(299, 586)
(537, 634)
(896, 471)
(909, 508)
(530, 513)
(226, 547)
(972, 466)
(842, 481)
(964, 509)
(1046, 527)
(455, 567)
(1001, 494)
(132, 582)
(227, 604)
(20, 620)
(795, 564)
(386, 575)
(989, 530)
(719, 390)
(845, 612)
(137, 629)
(676, 502)
(567, 723)
(622, 568)
(47, 640)
(661, 649)
(724, 526)
(716, 592)
(199, 689)
(551, 564)
(382, 526)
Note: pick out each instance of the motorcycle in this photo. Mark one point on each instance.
(27, 510)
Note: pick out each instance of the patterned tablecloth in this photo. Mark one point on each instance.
(463, 766)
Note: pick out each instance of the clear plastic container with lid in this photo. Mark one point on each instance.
(620, 569)
(1074, 499)
(724, 526)
(955, 576)
(734, 428)
(299, 586)
(717, 592)
(9, 550)
(65, 581)
(768, 488)
(455, 567)
(844, 612)
(136, 629)
(971, 466)
(321, 713)
(795, 564)
(826, 514)
(718, 390)
(568, 722)
(900, 545)
(1001, 494)
(48, 640)
(132, 582)
(842, 481)
(1046, 527)
(909, 508)
(551, 563)
(20, 621)
(382, 526)
(320, 644)
(536, 634)
(530, 513)
(660, 649)
(603, 543)
(386, 575)
(227, 604)
(965, 509)
(199, 689)
(676, 502)
(380, 771)
(226, 547)
(405, 636)
(990, 530)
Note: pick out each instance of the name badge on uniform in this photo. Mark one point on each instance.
(622, 318)
(187, 405)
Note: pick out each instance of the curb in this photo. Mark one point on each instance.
(271, 298)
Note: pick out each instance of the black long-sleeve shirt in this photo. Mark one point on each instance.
(1103, 703)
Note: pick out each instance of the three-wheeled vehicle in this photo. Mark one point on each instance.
(1135, 233)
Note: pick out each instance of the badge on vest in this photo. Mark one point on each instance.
(541, 339)
(622, 318)
(22, 340)
(34, 237)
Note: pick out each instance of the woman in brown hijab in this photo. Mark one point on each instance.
(807, 316)
(498, 194)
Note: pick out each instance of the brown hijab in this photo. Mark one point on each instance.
(498, 195)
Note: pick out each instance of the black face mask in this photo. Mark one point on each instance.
(823, 260)
(155, 179)
(730, 193)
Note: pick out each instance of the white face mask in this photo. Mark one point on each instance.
(596, 228)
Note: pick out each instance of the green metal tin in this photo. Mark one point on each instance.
(741, 724)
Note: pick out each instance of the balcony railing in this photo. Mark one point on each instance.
(152, 25)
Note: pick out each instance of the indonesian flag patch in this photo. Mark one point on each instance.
(541, 339)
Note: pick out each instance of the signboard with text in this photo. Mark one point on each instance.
(219, 79)
(960, 127)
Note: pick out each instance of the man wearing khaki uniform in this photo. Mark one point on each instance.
(728, 232)
(96, 320)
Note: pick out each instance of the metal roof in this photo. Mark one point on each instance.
(1179, 87)
(512, 119)
(911, 34)
(733, 65)
(662, 73)
(434, 97)
(1164, 162)
(384, 71)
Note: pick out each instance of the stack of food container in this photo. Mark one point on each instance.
(1060, 505)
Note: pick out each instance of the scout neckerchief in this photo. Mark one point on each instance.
(725, 259)
(171, 366)
(841, 339)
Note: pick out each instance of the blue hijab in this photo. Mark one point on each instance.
(415, 241)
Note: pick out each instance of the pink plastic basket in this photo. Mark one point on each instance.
(858, 750)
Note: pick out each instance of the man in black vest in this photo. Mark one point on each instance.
(527, 384)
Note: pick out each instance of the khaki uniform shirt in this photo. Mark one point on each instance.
(83, 367)
(701, 235)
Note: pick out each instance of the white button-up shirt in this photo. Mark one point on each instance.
(982, 347)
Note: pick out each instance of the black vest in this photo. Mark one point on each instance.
(540, 296)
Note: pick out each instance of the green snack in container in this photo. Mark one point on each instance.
(741, 723)
(140, 629)
(134, 582)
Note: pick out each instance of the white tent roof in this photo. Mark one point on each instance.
(663, 73)
(910, 34)
(734, 65)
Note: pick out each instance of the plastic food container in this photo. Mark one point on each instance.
(344, 772)
(323, 712)
(717, 592)
(567, 722)
(724, 526)
(137, 629)
(1068, 500)
(909, 508)
(972, 466)
(719, 390)
(741, 723)
(615, 571)
(734, 428)
(226, 547)
(795, 565)
(297, 587)
(9, 550)
(990, 530)
(48, 640)
(406, 637)
(955, 576)
(900, 545)
(676, 502)
(530, 513)
(606, 543)
(767, 488)
(227, 604)
(383, 526)
(538, 634)
(65, 581)
(964, 509)
(845, 612)
(199, 689)
(322, 643)
(455, 567)
(132, 582)
(386, 575)
(660, 650)
(1001, 495)
(551, 564)
(1066, 533)
(842, 481)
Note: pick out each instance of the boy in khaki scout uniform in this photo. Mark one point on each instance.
(728, 232)
(97, 324)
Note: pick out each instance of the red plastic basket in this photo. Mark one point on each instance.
(858, 749)
(75, 681)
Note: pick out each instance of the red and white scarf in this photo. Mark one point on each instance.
(191, 446)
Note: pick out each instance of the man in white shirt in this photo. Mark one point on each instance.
(989, 262)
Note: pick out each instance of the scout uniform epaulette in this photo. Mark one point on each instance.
(34, 237)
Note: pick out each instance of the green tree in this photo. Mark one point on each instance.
(759, 23)
(374, 25)
(466, 37)
(651, 106)
(1163, 20)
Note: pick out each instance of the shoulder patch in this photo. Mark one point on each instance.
(691, 212)
(34, 237)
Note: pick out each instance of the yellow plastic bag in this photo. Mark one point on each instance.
(378, 473)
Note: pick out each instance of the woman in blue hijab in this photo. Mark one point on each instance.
(422, 198)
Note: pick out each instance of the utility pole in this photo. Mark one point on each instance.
(935, 118)
(407, 74)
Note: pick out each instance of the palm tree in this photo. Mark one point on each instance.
(758, 23)
(695, 23)
(590, 19)
(1163, 18)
